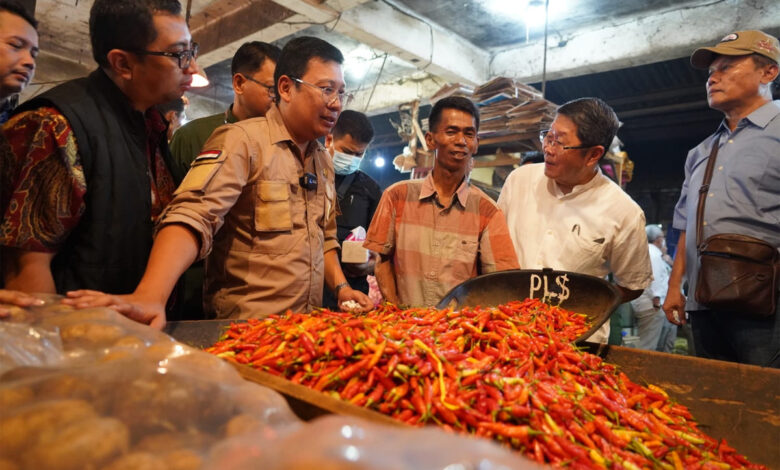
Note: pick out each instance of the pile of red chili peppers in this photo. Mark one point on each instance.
(509, 372)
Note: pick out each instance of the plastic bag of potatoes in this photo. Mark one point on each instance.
(161, 407)
(89, 389)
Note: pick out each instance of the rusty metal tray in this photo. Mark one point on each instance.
(739, 403)
(592, 296)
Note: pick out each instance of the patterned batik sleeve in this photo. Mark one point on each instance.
(47, 185)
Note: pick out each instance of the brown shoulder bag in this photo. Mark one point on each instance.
(737, 273)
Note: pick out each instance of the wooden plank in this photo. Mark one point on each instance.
(736, 402)
(308, 404)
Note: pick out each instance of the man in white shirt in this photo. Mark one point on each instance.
(566, 215)
(656, 333)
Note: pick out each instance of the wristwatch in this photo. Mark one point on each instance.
(338, 288)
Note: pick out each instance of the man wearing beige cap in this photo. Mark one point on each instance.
(743, 196)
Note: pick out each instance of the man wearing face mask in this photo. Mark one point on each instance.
(358, 194)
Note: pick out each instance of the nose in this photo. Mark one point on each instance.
(29, 60)
(193, 68)
(335, 104)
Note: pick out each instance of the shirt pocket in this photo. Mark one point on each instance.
(587, 253)
(744, 180)
(460, 257)
(272, 207)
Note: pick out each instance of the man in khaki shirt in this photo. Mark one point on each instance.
(260, 202)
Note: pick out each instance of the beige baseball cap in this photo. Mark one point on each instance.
(738, 43)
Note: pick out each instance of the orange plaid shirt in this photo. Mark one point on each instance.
(434, 248)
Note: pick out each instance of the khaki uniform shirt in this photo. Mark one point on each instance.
(269, 255)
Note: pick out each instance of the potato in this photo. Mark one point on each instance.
(89, 335)
(169, 441)
(8, 465)
(12, 397)
(24, 428)
(137, 461)
(242, 424)
(183, 460)
(85, 444)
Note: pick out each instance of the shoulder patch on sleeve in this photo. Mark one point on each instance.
(208, 155)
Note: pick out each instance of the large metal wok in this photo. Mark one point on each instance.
(581, 293)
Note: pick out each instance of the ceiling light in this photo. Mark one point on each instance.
(534, 14)
(379, 162)
(358, 61)
(531, 12)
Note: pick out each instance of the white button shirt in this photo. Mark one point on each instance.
(596, 229)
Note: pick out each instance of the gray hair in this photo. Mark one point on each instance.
(653, 232)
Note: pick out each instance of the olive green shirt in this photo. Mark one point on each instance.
(188, 140)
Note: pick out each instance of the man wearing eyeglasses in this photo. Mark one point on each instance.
(259, 202)
(94, 156)
(566, 215)
(252, 68)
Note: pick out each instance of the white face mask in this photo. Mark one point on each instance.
(344, 164)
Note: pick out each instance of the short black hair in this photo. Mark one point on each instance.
(452, 102)
(297, 53)
(125, 24)
(355, 124)
(16, 8)
(596, 121)
(173, 105)
(251, 55)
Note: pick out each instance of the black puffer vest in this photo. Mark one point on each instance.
(109, 248)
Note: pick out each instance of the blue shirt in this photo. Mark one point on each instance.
(744, 195)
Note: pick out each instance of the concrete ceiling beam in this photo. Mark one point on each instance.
(387, 28)
(388, 96)
(224, 25)
(653, 37)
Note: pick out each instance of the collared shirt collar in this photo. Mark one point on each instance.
(556, 191)
(761, 117)
(279, 132)
(230, 118)
(429, 189)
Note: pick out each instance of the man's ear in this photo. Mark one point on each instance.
(284, 88)
(769, 74)
(121, 63)
(238, 83)
(594, 154)
(328, 140)
(429, 141)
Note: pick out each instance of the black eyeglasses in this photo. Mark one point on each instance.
(184, 57)
(329, 93)
(270, 88)
(550, 138)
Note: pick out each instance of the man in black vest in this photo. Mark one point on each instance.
(94, 157)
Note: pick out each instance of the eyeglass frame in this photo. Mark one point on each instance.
(191, 54)
(557, 143)
(344, 97)
(271, 88)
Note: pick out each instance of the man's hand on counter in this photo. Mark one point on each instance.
(16, 298)
(133, 306)
(348, 293)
